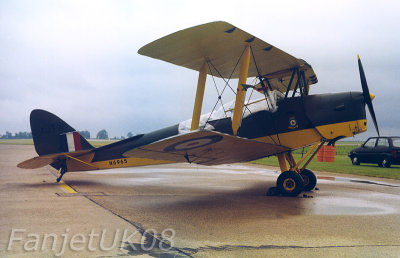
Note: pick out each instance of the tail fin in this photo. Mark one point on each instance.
(53, 135)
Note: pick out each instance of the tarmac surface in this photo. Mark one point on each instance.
(182, 210)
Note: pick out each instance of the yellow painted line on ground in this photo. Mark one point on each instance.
(67, 187)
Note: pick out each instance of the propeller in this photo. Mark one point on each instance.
(367, 96)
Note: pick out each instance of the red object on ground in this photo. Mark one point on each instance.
(326, 154)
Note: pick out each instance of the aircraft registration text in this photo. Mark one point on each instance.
(117, 162)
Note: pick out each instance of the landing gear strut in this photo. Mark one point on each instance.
(291, 182)
(62, 172)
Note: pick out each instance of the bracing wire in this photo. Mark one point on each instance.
(266, 96)
(226, 83)
(216, 88)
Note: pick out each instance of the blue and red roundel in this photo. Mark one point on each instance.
(193, 143)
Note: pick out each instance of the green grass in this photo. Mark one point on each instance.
(341, 165)
(17, 141)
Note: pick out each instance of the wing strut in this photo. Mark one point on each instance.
(201, 83)
(244, 69)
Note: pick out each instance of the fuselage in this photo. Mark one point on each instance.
(298, 122)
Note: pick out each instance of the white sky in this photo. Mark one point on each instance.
(78, 59)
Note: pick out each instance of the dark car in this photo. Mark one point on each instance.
(383, 151)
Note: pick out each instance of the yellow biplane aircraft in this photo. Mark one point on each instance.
(285, 117)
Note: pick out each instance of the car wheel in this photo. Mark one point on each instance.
(385, 163)
(355, 160)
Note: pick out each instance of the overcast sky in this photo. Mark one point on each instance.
(78, 59)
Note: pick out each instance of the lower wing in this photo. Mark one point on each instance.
(206, 148)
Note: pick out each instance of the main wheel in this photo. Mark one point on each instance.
(385, 162)
(290, 183)
(355, 160)
(309, 178)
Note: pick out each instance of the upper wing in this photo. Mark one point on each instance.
(206, 148)
(222, 44)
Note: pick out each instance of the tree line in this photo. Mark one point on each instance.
(20, 135)
(102, 134)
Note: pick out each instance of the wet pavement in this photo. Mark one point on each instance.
(191, 210)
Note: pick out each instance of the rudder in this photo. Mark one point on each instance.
(52, 135)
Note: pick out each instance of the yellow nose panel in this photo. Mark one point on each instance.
(346, 129)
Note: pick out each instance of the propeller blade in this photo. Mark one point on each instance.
(367, 96)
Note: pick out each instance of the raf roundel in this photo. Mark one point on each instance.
(293, 123)
(194, 143)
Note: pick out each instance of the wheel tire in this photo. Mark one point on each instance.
(309, 178)
(355, 161)
(290, 183)
(385, 162)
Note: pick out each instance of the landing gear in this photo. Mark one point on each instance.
(290, 183)
(309, 178)
(62, 172)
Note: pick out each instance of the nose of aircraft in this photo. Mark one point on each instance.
(372, 96)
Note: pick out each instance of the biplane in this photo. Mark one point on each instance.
(285, 117)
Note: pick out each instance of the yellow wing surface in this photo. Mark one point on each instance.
(206, 148)
(221, 45)
(41, 161)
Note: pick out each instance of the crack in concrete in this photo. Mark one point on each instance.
(137, 249)
(371, 183)
(247, 247)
